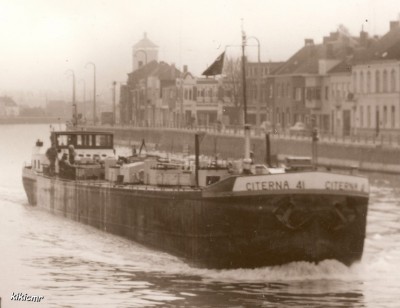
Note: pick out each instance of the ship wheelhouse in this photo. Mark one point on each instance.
(87, 145)
(83, 140)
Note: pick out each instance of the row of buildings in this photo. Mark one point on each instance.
(345, 85)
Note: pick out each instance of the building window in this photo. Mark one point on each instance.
(278, 116)
(355, 82)
(384, 81)
(298, 94)
(393, 116)
(309, 94)
(377, 81)
(361, 116)
(326, 92)
(362, 82)
(393, 81)
(368, 82)
(318, 93)
(368, 116)
(344, 91)
(384, 124)
(333, 90)
(287, 116)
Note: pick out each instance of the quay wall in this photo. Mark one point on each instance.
(366, 157)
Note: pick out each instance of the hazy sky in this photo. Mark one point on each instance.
(42, 39)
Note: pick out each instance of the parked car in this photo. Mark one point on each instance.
(266, 127)
(299, 128)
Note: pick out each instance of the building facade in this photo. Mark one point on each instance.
(376, 85)
(344, 86)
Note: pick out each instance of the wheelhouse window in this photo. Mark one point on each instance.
(102, 140)
(79, 141)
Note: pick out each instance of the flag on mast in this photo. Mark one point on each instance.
(216, 67)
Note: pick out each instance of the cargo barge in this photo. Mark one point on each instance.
(209, 215)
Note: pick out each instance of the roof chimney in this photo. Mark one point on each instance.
(185, 69)
(308, 42)
(363, 38)
(394, 25)
(172, 71)
(329, 51)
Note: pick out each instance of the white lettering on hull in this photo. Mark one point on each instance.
(267, 185)
(302, 181)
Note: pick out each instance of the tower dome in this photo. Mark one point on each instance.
(144, 52)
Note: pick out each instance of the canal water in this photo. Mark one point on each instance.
(73, 265)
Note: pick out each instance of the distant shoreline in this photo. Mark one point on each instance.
(32, 120)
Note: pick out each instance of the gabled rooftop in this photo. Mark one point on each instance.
(275, 66)
(162, 70)
(339, 45)
(385, 48)
(342, 67)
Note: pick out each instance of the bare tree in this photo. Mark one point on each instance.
(232, 83)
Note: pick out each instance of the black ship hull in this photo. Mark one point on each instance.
(216, 227)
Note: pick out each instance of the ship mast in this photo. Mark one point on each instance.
(247, 159)
(74, 106)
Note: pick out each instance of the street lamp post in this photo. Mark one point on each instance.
(246, 125)
(258, 82)
(244, 78)
(114, 107)
(74, 109)
(145, 89)
(84, 98)
(94, 90)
